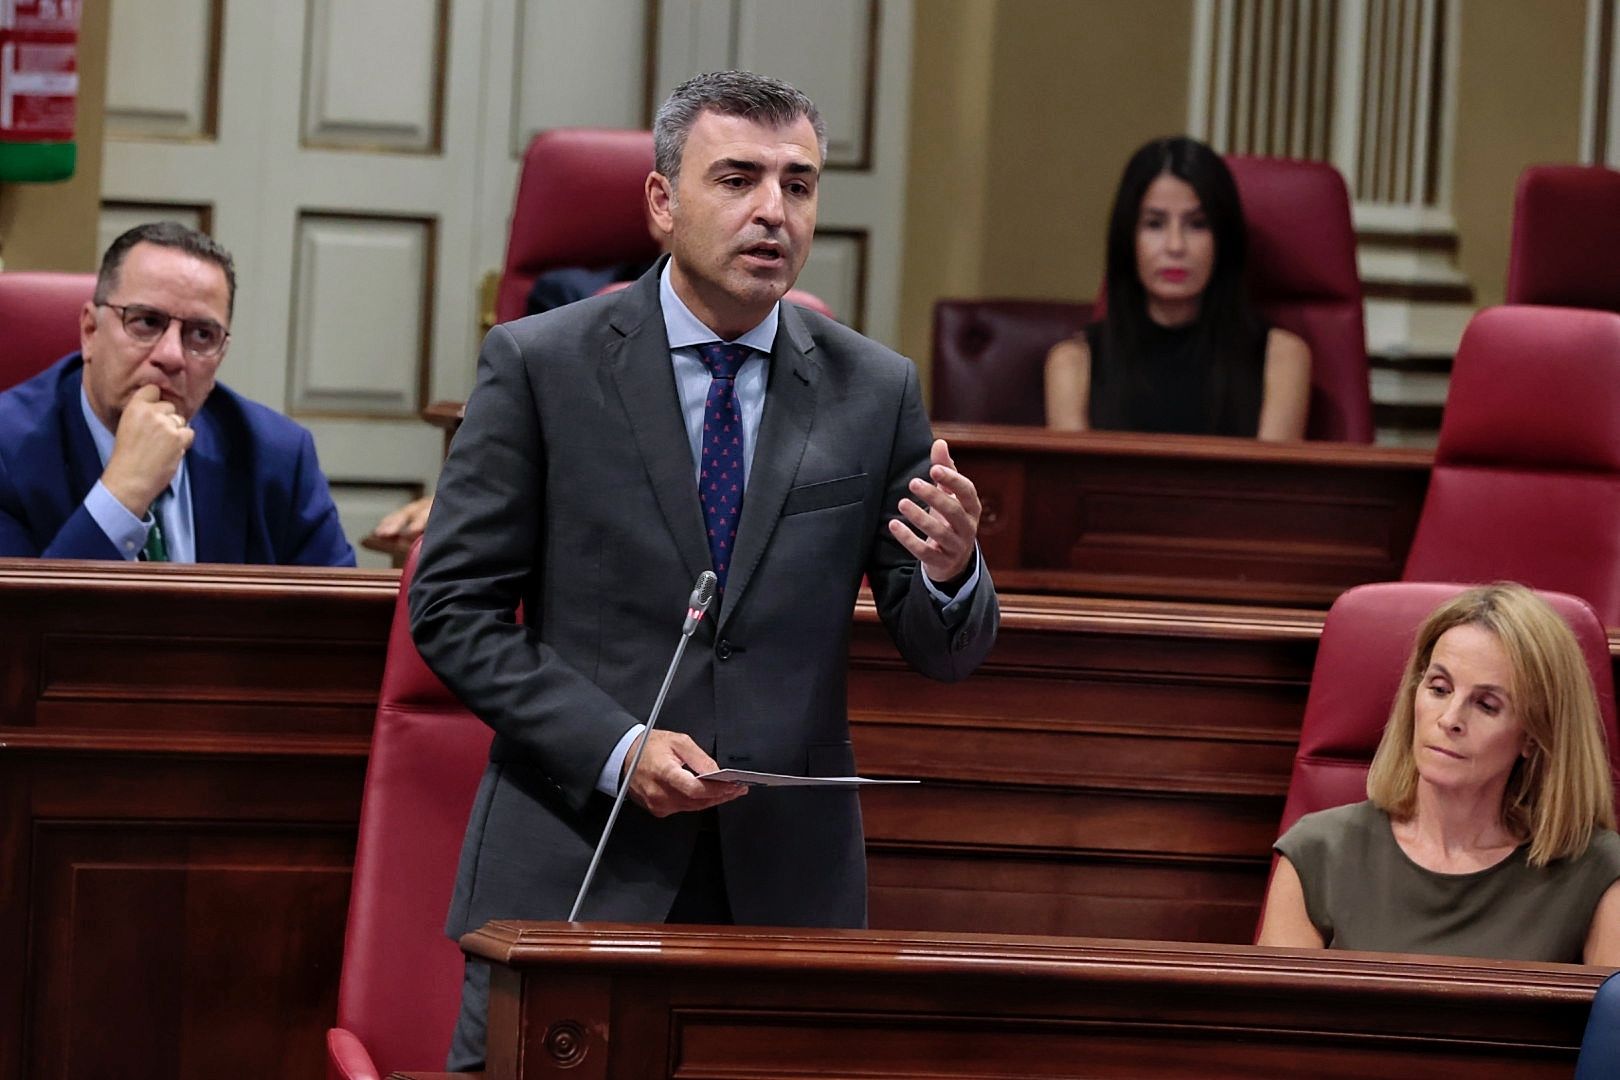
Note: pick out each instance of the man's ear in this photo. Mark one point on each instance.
(660, 204)
(87, 326)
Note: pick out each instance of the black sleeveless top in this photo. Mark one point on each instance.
(1169, 387)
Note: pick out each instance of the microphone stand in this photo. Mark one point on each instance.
(696, 606)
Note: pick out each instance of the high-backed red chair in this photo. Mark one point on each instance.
(795, 296)
(1566, 238)
(1526, 479)
(39, 314)
(1303, 277)
(580, 202)
(1366, 639)
(401, 984)
(990, 357)
(989, 354)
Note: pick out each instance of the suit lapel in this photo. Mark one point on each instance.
(784, 430)
(78, 446)
(218, 507)
(645, 380)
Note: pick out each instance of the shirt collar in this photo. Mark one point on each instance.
(105, 439)
(686, 329)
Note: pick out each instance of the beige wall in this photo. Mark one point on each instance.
(53, 226)
(946, 186)
(1023, 113)
(1518, 104)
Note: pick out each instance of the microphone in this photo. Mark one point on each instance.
(697, 605)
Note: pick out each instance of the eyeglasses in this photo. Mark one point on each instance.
(200, 338)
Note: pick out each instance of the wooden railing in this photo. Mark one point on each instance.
(601, 1002)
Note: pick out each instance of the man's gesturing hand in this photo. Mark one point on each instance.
(945, 513)
(151, 439)
(666, 783)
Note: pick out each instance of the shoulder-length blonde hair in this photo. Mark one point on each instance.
(1561, 791)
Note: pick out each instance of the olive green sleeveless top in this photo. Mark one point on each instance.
(1363, 892)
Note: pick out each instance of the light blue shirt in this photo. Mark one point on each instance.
(126, 531)
(686, 332)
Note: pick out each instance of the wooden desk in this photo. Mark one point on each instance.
(604, 1002)
(1115, 768)
(183, 748)
(1176, 517)
(1189, 518)
(181, 757)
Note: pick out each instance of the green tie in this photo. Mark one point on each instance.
(156, 550)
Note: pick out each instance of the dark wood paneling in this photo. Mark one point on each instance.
(181, 756)
(1182, 517)
(615, 1003)
(1117, 767)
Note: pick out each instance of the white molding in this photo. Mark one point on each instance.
(1347, 88)
(1589, 80)
(1199, 65)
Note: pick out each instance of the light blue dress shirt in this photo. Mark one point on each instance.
(686, 332)
(126, 531)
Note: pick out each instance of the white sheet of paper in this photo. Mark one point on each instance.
(767, 779)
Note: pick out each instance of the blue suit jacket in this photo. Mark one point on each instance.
(257, 491)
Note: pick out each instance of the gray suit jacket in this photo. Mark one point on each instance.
(571, 488)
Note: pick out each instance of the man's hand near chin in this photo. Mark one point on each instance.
(151, 440)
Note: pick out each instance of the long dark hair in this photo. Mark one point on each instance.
(1227, 322)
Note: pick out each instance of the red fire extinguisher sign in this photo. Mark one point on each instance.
(39, 87)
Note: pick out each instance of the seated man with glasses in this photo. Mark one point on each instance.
(127, 449)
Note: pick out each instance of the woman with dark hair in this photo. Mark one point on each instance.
(1181, 348)
(1488, 828)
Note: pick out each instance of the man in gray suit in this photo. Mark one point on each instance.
(599, 471)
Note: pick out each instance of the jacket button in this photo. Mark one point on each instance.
(723, 649)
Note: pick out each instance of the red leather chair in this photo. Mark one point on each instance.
(1303, 277)
(795, 296)
(40, 314)
(1365, 641)
(1566, 238)
(1526, 480)
(580, 202)
(989, 354)
(401, 983)
(990, 357)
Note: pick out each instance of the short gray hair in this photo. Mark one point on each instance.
(165, 234)
(729, 93)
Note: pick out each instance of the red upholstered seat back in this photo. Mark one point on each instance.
(39, 314)
(401, 981)
(1566, 238)
(793, 296)
(1526, 481)
(1303, 277)
(989, 354)
(580, 202)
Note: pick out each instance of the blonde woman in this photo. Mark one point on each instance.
(1489, 825)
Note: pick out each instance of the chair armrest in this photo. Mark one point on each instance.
(348, 1057)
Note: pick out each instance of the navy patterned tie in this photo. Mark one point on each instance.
(720, 483)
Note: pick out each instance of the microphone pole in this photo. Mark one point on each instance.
(696, 606)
